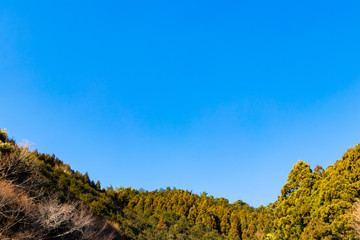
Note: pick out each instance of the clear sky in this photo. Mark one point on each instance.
(216, 96)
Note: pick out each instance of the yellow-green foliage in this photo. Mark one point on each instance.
(318, 204)
(30, 207)
(313, 204)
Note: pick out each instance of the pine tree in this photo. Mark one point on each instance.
(294, 205)
(98, 186)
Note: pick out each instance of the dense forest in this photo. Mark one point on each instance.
(43, 198)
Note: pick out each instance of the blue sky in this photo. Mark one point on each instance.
(216, 96)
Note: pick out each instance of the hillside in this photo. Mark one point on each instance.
(43, 198)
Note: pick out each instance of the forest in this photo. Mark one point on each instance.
(43, 198)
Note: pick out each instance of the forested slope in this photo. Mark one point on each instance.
(42, 198)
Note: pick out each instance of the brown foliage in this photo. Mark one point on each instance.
(20, 167)
(22, 218)
(16, 209)
(356, 215)
(25, 213)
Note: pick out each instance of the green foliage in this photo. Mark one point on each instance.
(293, 208)
(317, 204)
(35, 202)
(313, 204)
(3, 135)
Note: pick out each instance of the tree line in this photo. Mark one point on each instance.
(314, 203)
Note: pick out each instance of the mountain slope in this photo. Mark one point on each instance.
(43, 198)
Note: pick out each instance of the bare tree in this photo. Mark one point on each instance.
(74, 220)
(16, 209)
(25, 212)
